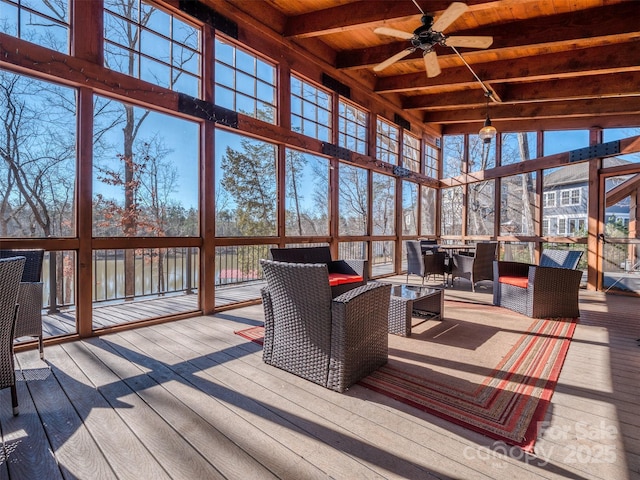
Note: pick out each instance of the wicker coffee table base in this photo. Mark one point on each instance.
(402, 311)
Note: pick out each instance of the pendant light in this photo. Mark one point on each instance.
(487, 132)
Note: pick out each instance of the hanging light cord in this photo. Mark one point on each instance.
(487, 92)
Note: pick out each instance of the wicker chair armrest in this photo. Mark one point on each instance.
(370, 292)
(503, 268)
(557, 281)
(267, 343)
(359, 338)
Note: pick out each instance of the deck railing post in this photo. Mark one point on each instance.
(53, 284)
(189, 288)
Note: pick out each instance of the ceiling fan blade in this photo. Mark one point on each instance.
(393, 59)
(469, 41)
(449, 16)
(392, 32)
(431, 64)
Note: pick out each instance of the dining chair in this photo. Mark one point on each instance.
(477, 267)
(10, 274)
(422, 263)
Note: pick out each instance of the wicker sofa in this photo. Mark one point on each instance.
(333, 342)
(343, 274)
(547, 290)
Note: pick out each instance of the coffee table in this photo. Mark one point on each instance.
(409, 301)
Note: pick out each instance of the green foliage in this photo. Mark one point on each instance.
(250, 178)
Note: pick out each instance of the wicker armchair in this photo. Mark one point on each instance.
(10, 273)
(424, 263)
(29, 322)
(547, 290)
(475, 268)
(331, 342)
(343, 274)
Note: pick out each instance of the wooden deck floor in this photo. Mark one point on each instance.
(191, 400)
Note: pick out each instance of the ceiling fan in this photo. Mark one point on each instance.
(428, 35)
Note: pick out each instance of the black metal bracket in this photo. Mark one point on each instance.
(595, 151)
(401, 171)
(207, 110)
(336, 151)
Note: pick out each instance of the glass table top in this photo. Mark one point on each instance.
(412, 292)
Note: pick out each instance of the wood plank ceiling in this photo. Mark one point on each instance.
(553, 64)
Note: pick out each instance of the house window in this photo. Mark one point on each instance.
(310, 110)
(570, 197)
(352, 127)
(387, 142)
(411, 152)
(576, 225)
(549, 199)
(562, 226)
(545, 226)
(245, 83)
(145, 42)
(430, 161)
(43, 23)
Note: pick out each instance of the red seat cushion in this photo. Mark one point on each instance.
(342, 278)
(521, 282)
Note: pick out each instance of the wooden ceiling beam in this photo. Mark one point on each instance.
(582, 27)
(564, 108)
(365, 13)
(348, 17)
(594, 86)
(605, 59)
(534, 124)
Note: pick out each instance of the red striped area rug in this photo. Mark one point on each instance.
(482, 367)
(255, 334)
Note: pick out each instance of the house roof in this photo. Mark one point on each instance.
(578, 173)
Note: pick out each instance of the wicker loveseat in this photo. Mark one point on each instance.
(333, 342)
(547, 290)
(343, 274)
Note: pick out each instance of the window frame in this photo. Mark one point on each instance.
(384, 130)
(361, 141)
(257, 80)
(139, 55)
(411, 144)
(316, 121)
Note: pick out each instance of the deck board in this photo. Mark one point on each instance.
(127, 455)
(189, 399)
(70, 441)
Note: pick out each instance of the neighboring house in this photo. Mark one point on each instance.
(565, 201)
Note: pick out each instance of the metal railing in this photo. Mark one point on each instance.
(121, 274)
